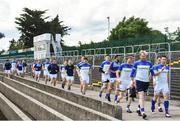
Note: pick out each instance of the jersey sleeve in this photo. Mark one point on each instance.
(151, 70)
(133, 73)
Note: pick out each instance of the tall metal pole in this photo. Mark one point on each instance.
(108, 18)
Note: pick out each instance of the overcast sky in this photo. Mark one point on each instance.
(88, 18)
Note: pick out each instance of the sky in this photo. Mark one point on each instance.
(88, 18)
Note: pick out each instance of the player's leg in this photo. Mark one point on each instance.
(165, 91)
(130, 95)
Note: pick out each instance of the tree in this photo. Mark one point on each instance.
(31, 23)
(57, 27)
(34, 22)
(1, 35)
(132, 28)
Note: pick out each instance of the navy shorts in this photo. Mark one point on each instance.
(142, 86)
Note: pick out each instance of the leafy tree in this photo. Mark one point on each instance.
(34, 22)
(132, 28)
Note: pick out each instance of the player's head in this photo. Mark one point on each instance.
(117, 57)
(85, 59)
(38, 61)
(107, 57)
(47, 59)
(65, 62)
(82, 58)
(158, 60)
(54, 61)
(143, 55)
(70, 62)
(130, 59)
(163, 59)
(7, 60)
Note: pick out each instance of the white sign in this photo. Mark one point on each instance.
(42, 37)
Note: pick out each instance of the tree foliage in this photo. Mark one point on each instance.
(34, 22)
(132, 28)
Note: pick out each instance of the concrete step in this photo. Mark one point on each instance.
(36, 109)
(11, 111)
(66, 107)
(95, 104)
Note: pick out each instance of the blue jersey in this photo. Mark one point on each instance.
(105, 66)
(37, 67)
(125, 70)
(20, 67)
(162, 78)
(141, 70)
(114, 67)
(63, 68)
(13, 64)
(46, 64)
(84, 69)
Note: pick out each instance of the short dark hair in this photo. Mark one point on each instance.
(163, 56)
(85, 58)
(116, 56)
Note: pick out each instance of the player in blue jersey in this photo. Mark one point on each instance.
(70, 71)
(7, 68)
(125, 82)
(112, 69)
(53, 69)
(161, 85)
(20, 68)
(158, 61)
(13, 66)
(63, 73)
(45, 70)
(142, 70)
(84, 71)
(37, 68)
(105, 77)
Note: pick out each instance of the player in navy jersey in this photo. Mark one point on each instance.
(32, 67)
(84, 71)
(37, 68)
(112, 69)
(70, 71)
(140, 77)
(7, 68)
(161, 85)
(125, 82)
(53, 69)
(24, 66)
(20, 68)
(45, 70)
(63, 73)
(105, 76)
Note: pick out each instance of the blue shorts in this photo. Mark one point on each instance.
(142, 86)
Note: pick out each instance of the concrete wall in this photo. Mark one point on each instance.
(35, 108)
(68, 108)
(116, 111)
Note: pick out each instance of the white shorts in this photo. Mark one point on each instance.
(124, 87)
(37, 72)
(53, 76)
(105, 78)
(113, 80)
(161, 89)
(85, 79)
(13, 69)
(63, 76)
(20, 71)
(46, 73)
(70, 78)
(7, 71)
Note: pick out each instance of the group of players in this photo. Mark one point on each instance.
(134, 77)
(124, 78)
